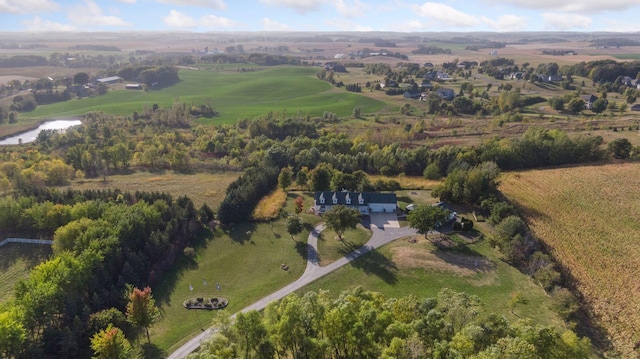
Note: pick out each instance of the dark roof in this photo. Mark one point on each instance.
(369, 197)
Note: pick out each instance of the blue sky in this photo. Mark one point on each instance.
(320, 15)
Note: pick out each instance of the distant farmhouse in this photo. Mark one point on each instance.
(588, 101)
(365, 202)
(109, 80)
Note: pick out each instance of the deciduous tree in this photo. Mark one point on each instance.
(110, 343)
(294, 226)
(426, 218)
(341, 218)
(142, 310)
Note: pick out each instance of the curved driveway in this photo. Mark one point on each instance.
(381, 235)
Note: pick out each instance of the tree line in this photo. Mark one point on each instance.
(365, 324)
(103, 242)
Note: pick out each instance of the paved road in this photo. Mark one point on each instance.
(380, 236)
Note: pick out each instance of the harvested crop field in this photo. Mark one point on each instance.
(588, 218)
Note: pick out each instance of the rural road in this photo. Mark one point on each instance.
(381, 235)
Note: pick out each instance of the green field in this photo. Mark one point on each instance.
(16, 260)
(245, 260)
(402, 268)
(235, 95)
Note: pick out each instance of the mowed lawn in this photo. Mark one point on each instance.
(235, 95)
(403, 268)
(244, 259)
(588, 218)
(16, 261)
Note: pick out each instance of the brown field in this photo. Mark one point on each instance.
(588, 218)
(202, 188)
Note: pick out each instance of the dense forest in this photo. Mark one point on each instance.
(363, 324)
(103, 242)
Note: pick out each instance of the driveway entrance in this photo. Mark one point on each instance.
(384, 220)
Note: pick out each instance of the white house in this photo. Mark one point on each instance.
(365, 202)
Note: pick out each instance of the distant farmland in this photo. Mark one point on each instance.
(235, 95)
(588, 217)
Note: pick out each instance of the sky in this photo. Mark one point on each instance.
(319, 15)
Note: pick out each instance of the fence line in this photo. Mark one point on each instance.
(26, 240)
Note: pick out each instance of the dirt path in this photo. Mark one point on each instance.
(380, 237)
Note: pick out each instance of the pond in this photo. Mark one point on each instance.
(31, 135)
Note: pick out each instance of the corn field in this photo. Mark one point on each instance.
(589, 219)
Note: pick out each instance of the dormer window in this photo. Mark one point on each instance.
(348, 199)
(360, 199)
(321, 198)
(335, 198)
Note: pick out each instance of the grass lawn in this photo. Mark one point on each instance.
(331, 249)
(236, 95)
(16, 261)
(402, 268)
(245, 260)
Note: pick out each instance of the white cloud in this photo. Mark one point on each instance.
(446, 15)
(37, 24)
(270, 25)
(302, 6)
(90, 14)
(215, 22)
(178, 20)
(27, 6)
(507, 22)
(127, 1)
(554, 21)
(354, 8)
(582, 6)
(214, 4)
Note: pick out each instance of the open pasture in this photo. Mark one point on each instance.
(235, 95)
(588, 218)
(201, 188)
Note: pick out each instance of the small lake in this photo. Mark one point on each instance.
(31, 135)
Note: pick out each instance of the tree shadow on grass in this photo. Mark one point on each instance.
(306, 251)
(374, 263)
(242, 232)
(151, 351)
(32, 254)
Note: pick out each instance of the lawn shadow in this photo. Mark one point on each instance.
(404, 199)
(372, 262)
(151, 351)
(306, 251)
(465, 258)
(31, 254)
(242, 232)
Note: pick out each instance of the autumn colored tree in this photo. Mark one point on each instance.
(110, 343)
(299, 202)
(142, 310)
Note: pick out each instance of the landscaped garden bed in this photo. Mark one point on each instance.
(208, 303)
